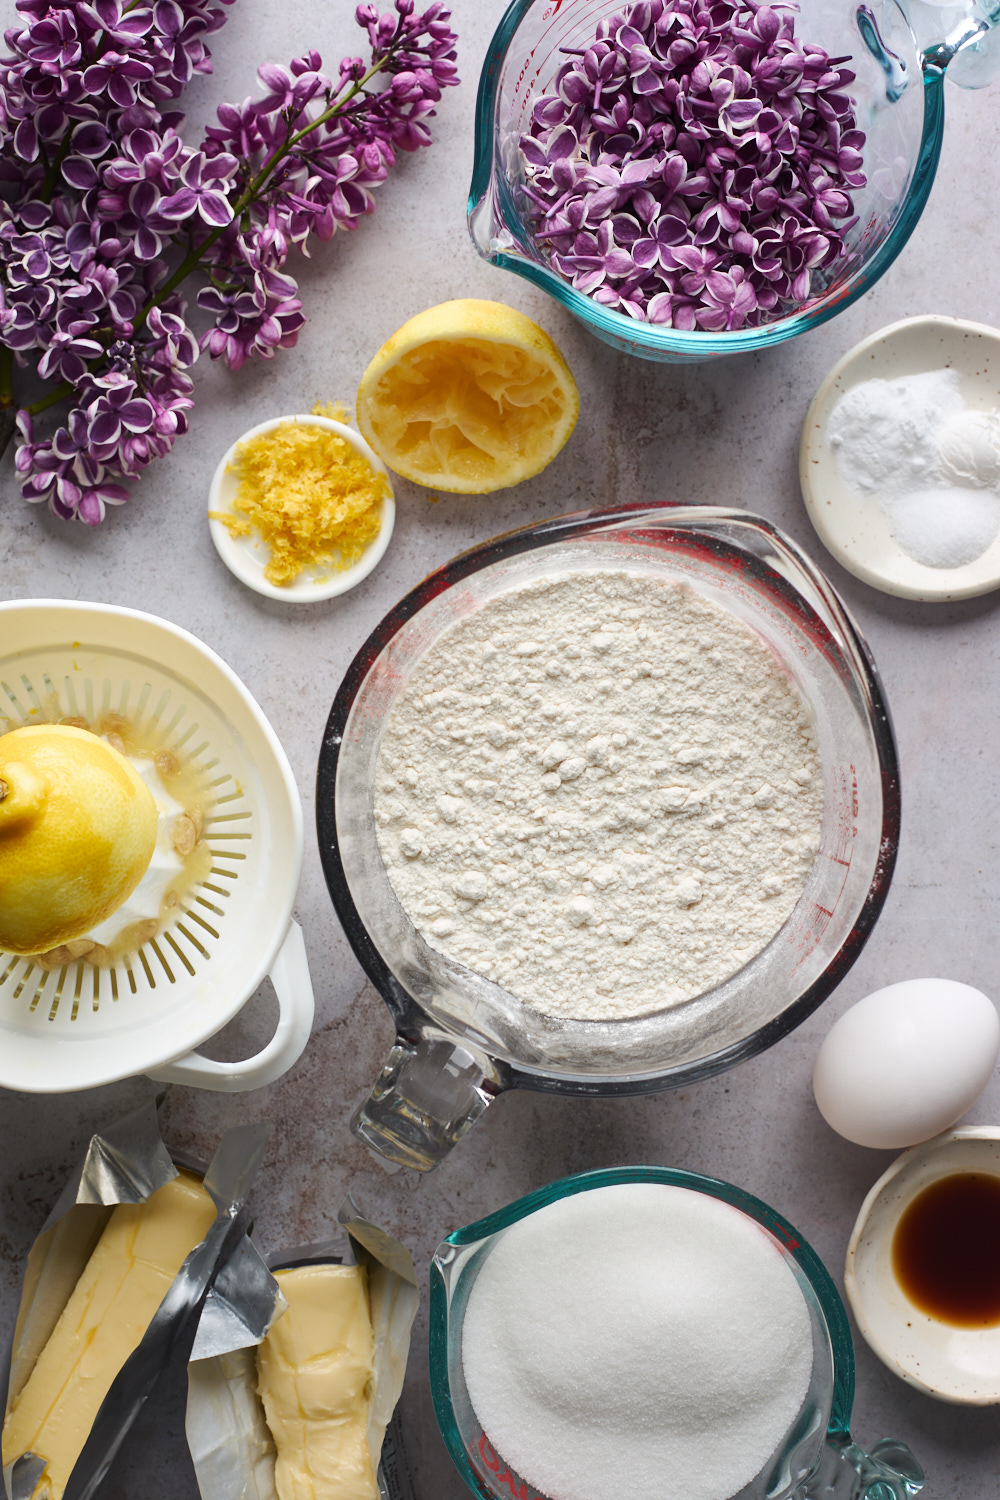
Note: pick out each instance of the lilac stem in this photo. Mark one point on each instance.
(8, 409)
(253, 191)
(52, 170)
(58, 393)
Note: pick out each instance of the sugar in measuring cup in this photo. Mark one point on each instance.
(730, 1285)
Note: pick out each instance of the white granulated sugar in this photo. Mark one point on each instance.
(639, 1340)
(601, 791)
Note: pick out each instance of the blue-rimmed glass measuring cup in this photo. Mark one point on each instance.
(899, 53)
(817, 1459)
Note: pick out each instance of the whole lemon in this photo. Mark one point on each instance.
(78, 828)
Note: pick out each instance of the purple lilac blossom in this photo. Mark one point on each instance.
(695, 164)
(326, 181)
(106, 208)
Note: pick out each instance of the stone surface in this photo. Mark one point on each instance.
(725, 433)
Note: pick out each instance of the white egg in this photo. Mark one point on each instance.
(906, 1062)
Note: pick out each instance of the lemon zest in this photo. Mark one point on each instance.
(314, 500)
(336, 411)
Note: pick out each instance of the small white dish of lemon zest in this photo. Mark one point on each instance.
(247, 556)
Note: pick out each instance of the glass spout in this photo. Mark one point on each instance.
(844, 1471)
(427, 1096)
(892, 65)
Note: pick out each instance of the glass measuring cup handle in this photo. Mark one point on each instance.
(844, 1471)
(968, 45)
(428, 1094)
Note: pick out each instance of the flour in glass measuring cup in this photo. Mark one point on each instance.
(601, 790)
(636, 1340)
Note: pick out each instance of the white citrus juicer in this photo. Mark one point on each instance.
(80, 1025)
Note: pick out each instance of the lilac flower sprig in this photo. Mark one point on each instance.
(694, 166)
(110, 211)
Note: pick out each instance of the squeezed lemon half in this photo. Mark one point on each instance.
(78, 828)
(468, 397)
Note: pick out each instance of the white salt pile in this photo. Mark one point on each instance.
(945, 527)
(639, 1340)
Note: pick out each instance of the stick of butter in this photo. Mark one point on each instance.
(314, 1376)
(142, 1248)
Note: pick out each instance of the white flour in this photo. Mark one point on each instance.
(602, 792)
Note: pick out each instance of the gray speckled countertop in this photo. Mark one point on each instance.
(725, 433)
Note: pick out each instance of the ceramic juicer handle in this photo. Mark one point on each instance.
(427, 1095)
(293, 987)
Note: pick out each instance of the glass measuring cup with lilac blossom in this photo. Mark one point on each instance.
(702, 177)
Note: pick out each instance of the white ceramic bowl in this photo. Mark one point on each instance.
(247, 556)
(960, 1365)
(853, 528)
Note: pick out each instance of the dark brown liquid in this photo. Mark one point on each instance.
(946, 1250)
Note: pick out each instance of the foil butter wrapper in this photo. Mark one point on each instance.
(231, 1445)
(124, 1163)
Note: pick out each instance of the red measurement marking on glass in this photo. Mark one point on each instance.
(495, 1464)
